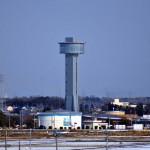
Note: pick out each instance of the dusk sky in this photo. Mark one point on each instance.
(116, 62)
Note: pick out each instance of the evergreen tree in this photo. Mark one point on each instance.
(1, 119)
(139, 109)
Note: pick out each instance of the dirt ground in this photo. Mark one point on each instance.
(101, 135)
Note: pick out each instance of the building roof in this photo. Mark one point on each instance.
(104, 116)
(59, 113)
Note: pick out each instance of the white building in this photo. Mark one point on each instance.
(60, 120)
(9, 108)
(117, 102)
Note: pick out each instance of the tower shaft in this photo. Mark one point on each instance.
(71, 93)
(71, 49)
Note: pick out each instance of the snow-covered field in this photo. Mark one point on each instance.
(71, 144)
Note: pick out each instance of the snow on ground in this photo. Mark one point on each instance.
(74, 148)
(71, 144)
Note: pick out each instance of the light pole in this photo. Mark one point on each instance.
(135, 118)
(56, 142)
(9, 119)
(34, 121)
(108, 117)
(106, 139)
(30, 139)
(22, 118)
(1, 92)
(6, 139)
(19, 143)
(56, 133)
(109, 122)
(131, 116)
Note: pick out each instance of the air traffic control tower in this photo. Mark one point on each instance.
(71, 48)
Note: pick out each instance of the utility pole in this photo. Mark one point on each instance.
(108, 117)
(56, 143)
(20, 120)
(19, 143)
(9, 119)
(6, 139)
(1, 92)
(106, 139)
(30, 139)
(34, 121)
(56, 134)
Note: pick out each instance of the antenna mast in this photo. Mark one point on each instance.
(1, 92)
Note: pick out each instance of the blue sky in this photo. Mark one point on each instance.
(116, 60)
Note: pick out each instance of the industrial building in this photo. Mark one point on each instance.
(99, 121)
(60, 119)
